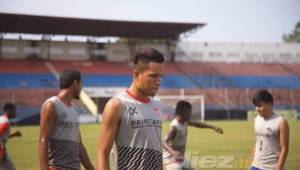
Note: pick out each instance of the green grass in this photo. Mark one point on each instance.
(236, 143)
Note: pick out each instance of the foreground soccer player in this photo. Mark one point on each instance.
(132, 120)
(272, 135)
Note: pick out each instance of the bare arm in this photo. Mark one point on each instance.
(48, 117)
(284, 143)
(84, 157)
(253, 153)
(204, 125)
(170, 136)
(111, 118)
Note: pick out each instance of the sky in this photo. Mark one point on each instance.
(249, 21)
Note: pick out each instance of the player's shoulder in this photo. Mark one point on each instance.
(282, 120)
(52, 99)
(278, 118)
(257, 118)
(4, 119)
(174, 122)
(50, 102)
(115, 101)
(49, 105)
(113, 110)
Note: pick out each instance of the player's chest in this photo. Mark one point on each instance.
(266, 129)
(146, 116)
(143, 111)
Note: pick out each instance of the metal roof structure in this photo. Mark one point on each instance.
(19, 23)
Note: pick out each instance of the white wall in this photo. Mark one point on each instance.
(185, 51)
(238, 52)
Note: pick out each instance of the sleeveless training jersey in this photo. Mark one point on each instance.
(4, 128)
(138, 140)
(64, 143)
(179, 141)
(267, 148)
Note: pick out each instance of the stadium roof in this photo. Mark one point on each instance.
(18, 23)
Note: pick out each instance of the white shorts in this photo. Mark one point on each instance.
(172, 164)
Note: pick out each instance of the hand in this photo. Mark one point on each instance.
(218, 130)
(176, 154)
(17, 134)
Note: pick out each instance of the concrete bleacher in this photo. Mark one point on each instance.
(15, 81)
(22, 66)
(224, 73)
(179, 75)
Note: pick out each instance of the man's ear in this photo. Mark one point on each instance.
(75, 82)
(135, 74)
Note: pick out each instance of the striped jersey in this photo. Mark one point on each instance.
(138, 141)
(64, 143)
(267, 148)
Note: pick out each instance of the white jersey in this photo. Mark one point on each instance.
(178, 143)
(267, 147)
(5, 124)
(64, 142)
(138, 140)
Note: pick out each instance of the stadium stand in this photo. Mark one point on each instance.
(33, 74)
(226, 74)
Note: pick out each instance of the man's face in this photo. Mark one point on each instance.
(12, 113)
(77, 88)
(263, 109)
(148, 81)
(187, 114)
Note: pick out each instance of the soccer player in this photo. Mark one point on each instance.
(132, 120)
(272, 135)
(60, 145)
(9, 113)
(175, 140)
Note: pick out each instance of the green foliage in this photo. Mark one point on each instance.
(294, 36)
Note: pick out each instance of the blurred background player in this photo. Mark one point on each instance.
(60, 144)
(175, 140)
(9, 113)
(272, 135)
(132, 120)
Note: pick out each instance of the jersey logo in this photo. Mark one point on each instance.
(269, 132)
(63, 115)
(157, 112)
(132, 111)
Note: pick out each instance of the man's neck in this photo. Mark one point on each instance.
(137, 93)
(269, 115)
(65, 96)
(180, 120)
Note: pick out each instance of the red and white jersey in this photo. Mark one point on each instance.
(138, 140)
(4, 128)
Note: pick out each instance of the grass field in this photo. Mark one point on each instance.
(206, 148)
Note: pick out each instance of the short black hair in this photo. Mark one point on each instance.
(67, 77)
(182, 106)
(8, 106)
(145, 55)
(262, 96)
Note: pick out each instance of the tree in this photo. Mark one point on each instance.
(294, 36)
